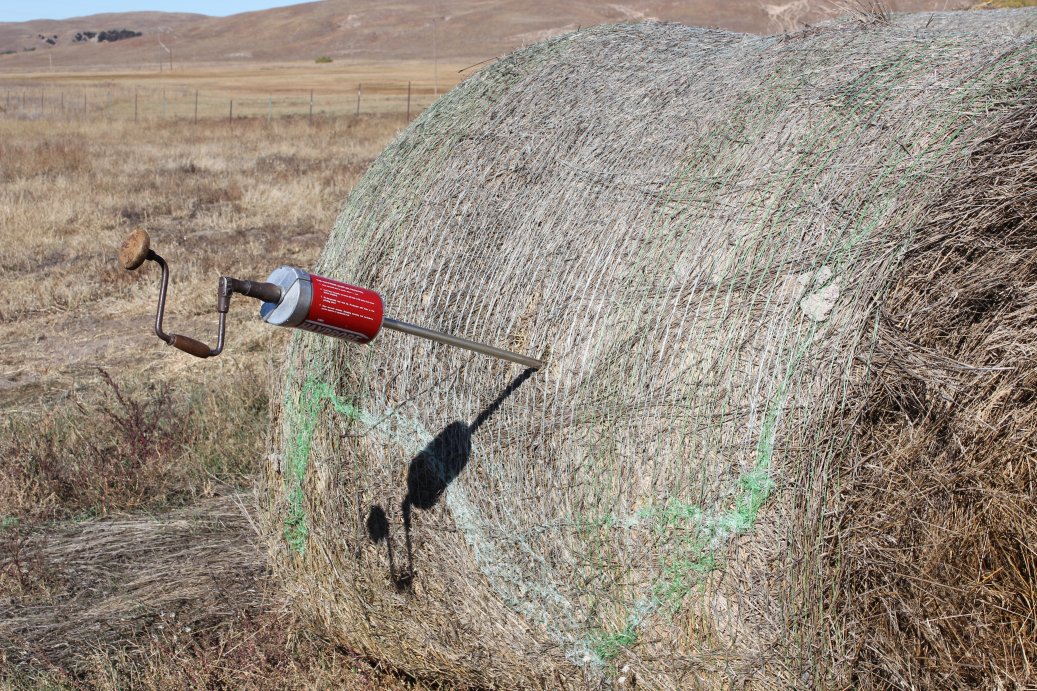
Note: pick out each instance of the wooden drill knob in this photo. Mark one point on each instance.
(135, 249)
(190, 345)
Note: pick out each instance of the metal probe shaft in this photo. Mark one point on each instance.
(441, 337)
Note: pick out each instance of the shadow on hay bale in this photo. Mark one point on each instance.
(428, 476)
(785, 434)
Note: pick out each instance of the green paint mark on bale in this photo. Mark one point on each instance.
(305, 419)
(609, 645)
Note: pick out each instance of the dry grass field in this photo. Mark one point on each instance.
(104, 429)
(257, 90)
(127, 555)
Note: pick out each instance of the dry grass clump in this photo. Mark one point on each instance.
(937, 569)
(178, 600)
(784, 436)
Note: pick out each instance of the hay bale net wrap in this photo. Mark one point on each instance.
(1014, 22)
(727, 244)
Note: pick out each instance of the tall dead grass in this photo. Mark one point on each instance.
(936, 546)
(100, 416)
(176, 600)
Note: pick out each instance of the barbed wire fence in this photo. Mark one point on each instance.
(155, 103)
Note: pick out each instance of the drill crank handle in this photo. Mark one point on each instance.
(136, 249)
(187, 344)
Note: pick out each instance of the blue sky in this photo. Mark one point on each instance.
(21, 10)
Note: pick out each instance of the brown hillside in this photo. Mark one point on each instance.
(455, 30)
(29, 38)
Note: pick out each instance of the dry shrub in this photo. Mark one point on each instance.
(23, 572)
(124, 457)
(130, 448)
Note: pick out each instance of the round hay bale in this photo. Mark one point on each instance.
(785, 286)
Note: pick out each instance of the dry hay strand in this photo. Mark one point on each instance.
(783, 438)
(101, 583)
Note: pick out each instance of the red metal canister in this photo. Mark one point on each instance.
(343, 310)
(324, 306)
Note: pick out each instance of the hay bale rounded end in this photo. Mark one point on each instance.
(785, 288)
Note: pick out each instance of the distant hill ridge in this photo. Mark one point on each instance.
(452, 30)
